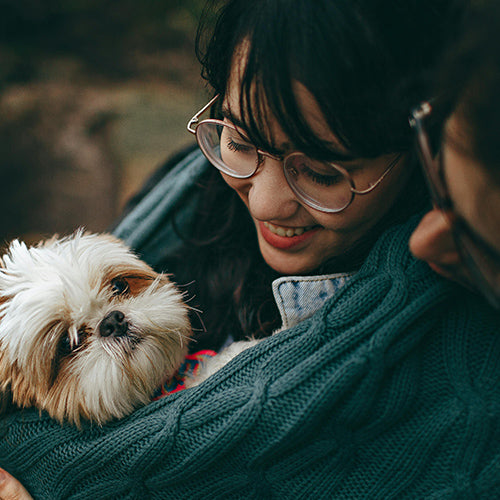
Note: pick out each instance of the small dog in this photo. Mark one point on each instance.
(88, 331)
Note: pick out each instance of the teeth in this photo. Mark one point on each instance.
(288, 232)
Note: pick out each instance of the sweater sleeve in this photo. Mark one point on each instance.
(148, 228)
(391, 390)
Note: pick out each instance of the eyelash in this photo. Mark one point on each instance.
(324, 180)
(239, 148)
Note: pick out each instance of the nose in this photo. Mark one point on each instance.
(269, 195)
(113, 324)
(433, 242)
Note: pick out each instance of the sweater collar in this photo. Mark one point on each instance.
(299, 297)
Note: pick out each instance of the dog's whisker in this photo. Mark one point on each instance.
(183, 337)
(199, 315)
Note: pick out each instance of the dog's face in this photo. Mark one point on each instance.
(87, 330)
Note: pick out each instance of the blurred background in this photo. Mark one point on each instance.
(94, 95)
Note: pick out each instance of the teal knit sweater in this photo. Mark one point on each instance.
(390, 391)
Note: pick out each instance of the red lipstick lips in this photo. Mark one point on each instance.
(285, 242)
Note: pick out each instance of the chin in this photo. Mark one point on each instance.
(290, 265)
(296, 263)
(88, 331)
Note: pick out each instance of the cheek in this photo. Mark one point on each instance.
(369, 208)
(236, 184)
(475, 196)
(365, 210)
(241, 186)
(464, 185)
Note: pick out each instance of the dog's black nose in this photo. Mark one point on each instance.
(113, 324)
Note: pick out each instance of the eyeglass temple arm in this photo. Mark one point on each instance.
(381, 178)
(195, 119)
(440, 198)
(415, 120)
(416, 117)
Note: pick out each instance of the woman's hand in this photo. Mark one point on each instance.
(12, 489)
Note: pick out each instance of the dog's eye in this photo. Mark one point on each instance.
(119, 286)
(64, 348)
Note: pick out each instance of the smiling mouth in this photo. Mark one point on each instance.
(288, 232)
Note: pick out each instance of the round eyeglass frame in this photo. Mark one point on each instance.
(288, 171)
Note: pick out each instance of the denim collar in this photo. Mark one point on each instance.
(299, 297)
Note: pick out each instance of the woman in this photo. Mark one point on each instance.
(322, 106)
(379, 383)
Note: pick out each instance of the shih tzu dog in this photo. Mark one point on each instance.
(88, 331)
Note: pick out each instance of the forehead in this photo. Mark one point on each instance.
(305, 101)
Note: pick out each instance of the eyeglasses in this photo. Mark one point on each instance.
(321, 185)
(482, 261)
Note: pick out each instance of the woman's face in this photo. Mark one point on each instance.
(475, 198)
(294, 238)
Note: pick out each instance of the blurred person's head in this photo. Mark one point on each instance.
(460, 238)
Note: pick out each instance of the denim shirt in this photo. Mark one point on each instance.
(299, 297)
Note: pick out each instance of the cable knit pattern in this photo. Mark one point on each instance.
(390, 391)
